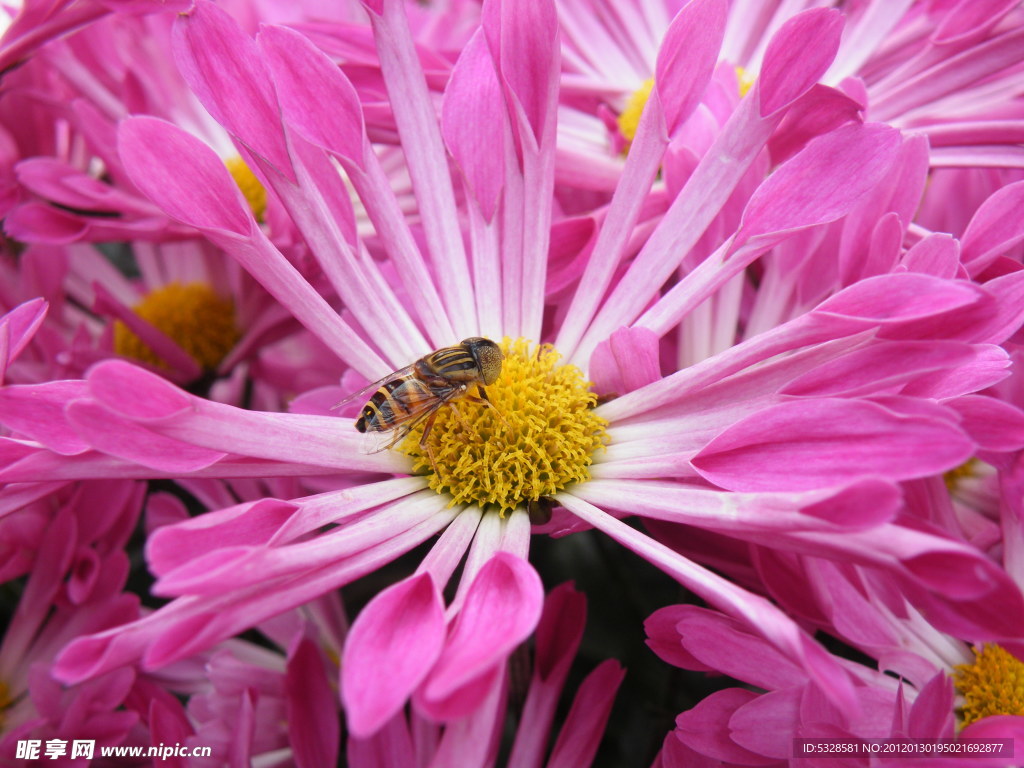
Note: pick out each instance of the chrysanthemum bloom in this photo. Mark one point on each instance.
(909, 695)
(760, 437)
(76, 572)
(950, 71)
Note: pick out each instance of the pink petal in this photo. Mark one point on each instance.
(522, 39)
(880, 368)
(995, 425)
(932, 713)
(705, 728)
(314, 730)
(306, 79)
(502, 607)
(135, 393)
(687, 58)
(814, 444)
(37, 411)
(628, 360)
(823, 181)
(18, 327)
(995, 228)
(248, 524)
(938, 255)
(471, 114)
(223, 67)
(969, 20)
(182, 175)
(111, 434)
(798, 54)
(584, 725)
(389, 650)
(664, 638)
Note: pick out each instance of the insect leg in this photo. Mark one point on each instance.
(486, 401)
(423, 438)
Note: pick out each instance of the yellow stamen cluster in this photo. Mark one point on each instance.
(745, 81)
(957, 475)
(992, 685)
(252, 189)
(200, 321)
(629, 118)
(541, 442)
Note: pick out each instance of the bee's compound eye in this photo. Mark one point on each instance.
(488, 357)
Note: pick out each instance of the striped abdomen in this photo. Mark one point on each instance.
(399, 401)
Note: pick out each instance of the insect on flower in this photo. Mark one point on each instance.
(415, 394)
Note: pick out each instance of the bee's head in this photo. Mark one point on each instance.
(487, 355)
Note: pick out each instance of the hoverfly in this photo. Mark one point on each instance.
(414, 394)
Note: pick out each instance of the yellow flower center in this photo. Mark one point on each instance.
(537, 439)
(745, 81)
(200, 321)
(992, 685)
(957, 475)
(251, 187)
(629, 118)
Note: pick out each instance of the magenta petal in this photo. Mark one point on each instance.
(814, 444)
(705, 728)
(182, 175)
(223, 66)
(312, 706)
(996, 227)
(628, 360)
(135, 393)
(473, 110)
(938, 255)
(249, 524)
(993, 424)
(823, 181)
(933, 710)
(522, 38)
(584, 725)
(688, 55)
(18, 327)
(882, 367)
(106, 432)
(389, 650)
(899, 298)
(502, 607)
(663, 637)
(37, 411)
(798, 54)
(560, 630)
(306, 79)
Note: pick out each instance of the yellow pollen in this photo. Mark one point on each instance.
(629, 118)
(745, 81)
(200, 321)
(251, 187)
(542, 441)
(992, 685)
(955, 476)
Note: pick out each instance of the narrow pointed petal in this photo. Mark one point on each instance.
(688, 55)
(804, 445)
(501, 609)
(390, 648)
(182, 175)
(797, 56)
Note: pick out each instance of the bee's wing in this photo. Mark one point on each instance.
(375, 442)
(373, 387)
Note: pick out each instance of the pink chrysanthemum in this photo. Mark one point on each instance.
(819, 354)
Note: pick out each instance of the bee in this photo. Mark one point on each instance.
(416, 394)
